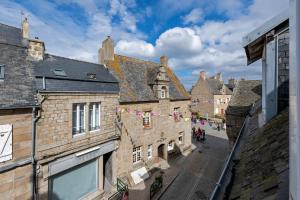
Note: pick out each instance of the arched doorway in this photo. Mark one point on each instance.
(161, 151)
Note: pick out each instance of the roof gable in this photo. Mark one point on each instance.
(137, 75)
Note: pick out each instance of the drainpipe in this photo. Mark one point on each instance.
(294, 111)
(33, 161)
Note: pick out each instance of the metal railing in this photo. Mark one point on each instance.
(221, 180)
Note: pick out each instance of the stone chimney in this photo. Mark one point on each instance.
(232, 81)
(106, 52)
(164, 61)
(219, 76)
(25, 28)
(203, 75)
(36, 49)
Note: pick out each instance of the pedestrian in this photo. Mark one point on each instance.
(218, 127)
(199, 133)
(194, 131)
(125, 196)
(203, 134)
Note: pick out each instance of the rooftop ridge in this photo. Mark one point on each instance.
(136, 59)
(77, 60)
(9, 26)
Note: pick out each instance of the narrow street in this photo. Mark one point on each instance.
(201, 169)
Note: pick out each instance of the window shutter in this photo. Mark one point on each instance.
(5, 142)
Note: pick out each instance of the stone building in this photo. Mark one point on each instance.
(246, 93)
(59, 122)
(154, 110)
(210, 96)
(17, 111)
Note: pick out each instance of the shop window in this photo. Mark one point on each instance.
(176, 114)
(180, 138)
(74, 183)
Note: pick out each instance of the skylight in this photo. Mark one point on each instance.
(59, 72)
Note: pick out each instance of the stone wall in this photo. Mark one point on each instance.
(202, 99)
(54, 130)
(283, 70)
(163, 129)
(16, 183)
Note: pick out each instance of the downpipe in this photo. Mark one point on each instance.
(35, 118)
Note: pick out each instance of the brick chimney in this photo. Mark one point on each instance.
(164, 61)
(203, 75)
(106, 52)
(25, 28)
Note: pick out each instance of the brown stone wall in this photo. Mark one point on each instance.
(163, 130)
(54, 130)
(202, 99)
(233, 127)
(16, 183)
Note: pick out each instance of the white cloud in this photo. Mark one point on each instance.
(137, 48)
(194, 17)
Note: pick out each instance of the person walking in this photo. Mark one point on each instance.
(203, 134)
(199, 133)
(194, 131)
(218, 127)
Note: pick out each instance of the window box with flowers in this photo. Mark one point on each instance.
(146, 119)
(177, 114)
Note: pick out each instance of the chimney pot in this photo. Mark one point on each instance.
(164, 61)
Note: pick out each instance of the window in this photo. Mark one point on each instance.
(94, 116)
(149, 152)
(176, 114)
(146, 119)
(1, 72)
(65, 184)
(218, 101)
(137, 153)
(217, 111)
(180, 138)
(163, 92)
(59, 72)
(78, 118)
(170, 145)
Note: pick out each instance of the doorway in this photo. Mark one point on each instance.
(161, 151)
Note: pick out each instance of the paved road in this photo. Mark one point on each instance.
(201, 169)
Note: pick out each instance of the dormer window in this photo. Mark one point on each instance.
(1, 72)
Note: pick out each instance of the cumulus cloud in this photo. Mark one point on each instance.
(138, 48)
(194, 17)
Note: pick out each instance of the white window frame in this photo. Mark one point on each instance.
(2, 72)
(146, 114)
(77, 132)
(149, 151)
(180, 136)
(92, 122)
(137, 154)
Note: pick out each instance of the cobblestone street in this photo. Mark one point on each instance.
(199, 171)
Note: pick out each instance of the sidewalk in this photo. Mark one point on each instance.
(170, 172)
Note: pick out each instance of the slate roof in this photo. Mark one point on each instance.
(262, 169)
(137, 75)
(246, 93)
(80, 76)
(216, 85)
(18, 87)
(10, 35)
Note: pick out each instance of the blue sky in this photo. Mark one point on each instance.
(196, 35)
